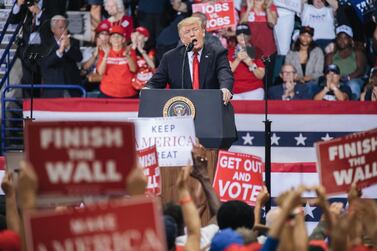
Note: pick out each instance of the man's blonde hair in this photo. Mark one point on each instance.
(189, 21)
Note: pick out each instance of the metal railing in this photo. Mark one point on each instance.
(6, 54)
(12, 113)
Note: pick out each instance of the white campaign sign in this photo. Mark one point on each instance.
(173, 137)
(294, 5)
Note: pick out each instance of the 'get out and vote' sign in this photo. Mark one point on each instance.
(348, 159)
(238, 177)
(219, 14)
(110, 226)
(80, 158)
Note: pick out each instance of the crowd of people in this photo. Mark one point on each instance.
(234, 225)
(130, 39)
(330, 56)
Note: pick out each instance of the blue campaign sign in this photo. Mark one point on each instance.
(363, 8)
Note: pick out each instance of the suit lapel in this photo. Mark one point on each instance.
(205, 60)
(186, 74)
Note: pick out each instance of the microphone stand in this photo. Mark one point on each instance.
(183, 66)
(267, 136)
(188, 48)
(33, 58)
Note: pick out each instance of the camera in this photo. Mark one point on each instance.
(31, 2)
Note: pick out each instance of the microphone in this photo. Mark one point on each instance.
(188, 48)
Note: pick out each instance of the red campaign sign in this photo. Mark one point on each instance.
(348, 159)
(238, 176)
(220, 14)
(109, 226)
(149, 161)
(76, 158)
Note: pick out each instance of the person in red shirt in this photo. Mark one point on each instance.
(117, 66)
(248, 71)
(261, 16)
(118, 16)
(145, 57)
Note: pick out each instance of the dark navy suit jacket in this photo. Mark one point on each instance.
(64, 70)
(214, 70)
(301, 92)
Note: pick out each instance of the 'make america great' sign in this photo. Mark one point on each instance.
(76, 158)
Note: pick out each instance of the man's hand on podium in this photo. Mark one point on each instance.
(227, 95)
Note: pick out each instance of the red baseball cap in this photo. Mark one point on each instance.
(10, 241)
(118, 29)
(103, 26)
(249, 247)
(142, 30)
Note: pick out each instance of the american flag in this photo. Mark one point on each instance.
(296, 126)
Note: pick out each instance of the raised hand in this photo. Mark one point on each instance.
(263, 196)
(20, 2)
(136, 181)
(27, 186)
(8, 184)
(105, 48)
(242, 55)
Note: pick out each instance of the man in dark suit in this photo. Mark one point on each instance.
(34, 15)
(34, 19)
(290, 89)
(206, 66)
(60, 64)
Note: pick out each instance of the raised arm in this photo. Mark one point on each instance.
(291, 201)
(27, 194)
(136, 181)
(200, 172)
(189, 211)
(12, 217)
(262, 198)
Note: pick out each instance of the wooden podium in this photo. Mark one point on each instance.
(214, 126)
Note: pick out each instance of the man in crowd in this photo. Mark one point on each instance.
(60, 65)
(290, 88)
(206, 66)
(34, 16)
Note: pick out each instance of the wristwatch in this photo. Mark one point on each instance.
(252, 67)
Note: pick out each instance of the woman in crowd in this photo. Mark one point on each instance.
(118, 16)
(144, 59)
(261, 17)
(90, 56)
(307, 58)
(117, 66)
(370, 89)
(248, 72)
(319, 14)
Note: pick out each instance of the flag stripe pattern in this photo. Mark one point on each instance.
(296, 126)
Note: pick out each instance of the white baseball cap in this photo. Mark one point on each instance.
(344, 28)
